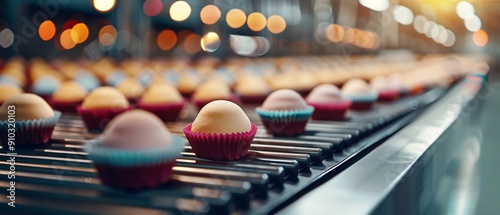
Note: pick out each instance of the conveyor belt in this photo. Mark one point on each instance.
(59, 179)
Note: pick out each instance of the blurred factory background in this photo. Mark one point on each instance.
(222, 28)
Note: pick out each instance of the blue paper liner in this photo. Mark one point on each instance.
(30, 132)
(365, 97)
(291, 115)
(134, 157)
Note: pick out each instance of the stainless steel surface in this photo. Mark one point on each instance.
(361, 188)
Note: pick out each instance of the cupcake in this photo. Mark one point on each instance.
(328, 102)
(115, 77)
(252, 89)
(68, 96)
(31, 117)
(210, 91)
(45, 86)
(135, 151)
(131, 88)
(7, 91)
(87, 80)
(101, 105)
(285, 113)
(163, 100)
(361, 94)
(187, 83)
(221, 131)
(387, 90)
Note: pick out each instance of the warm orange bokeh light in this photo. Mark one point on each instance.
(47, 30)
(210, 14)
(66, 40)
(480, 38)
(335, 33)
(256, 21)
(166, 40)
(236, 18)
(276, 24)
(79, 33)
(192, 44)
(107, 35)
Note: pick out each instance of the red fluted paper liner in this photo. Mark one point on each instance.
(361, 105)
(285, 128)
(166, 112)
(65, 107)
(389, 95)
(330, 111)
(200, 104)
(28, 133)
(97, 119)
(257, 99)
(135, 177)
(220, 146)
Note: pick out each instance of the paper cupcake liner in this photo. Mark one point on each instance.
(65, 107)
(29, 133)
(97, 119)
(166, 112)
(200, 104)
(365, 97)
(134, 169)
(361, 105)
(331, 111)
(389, 95)
(220, 146)
(257, 99)
(285, 123)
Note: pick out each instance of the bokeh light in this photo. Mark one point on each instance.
(79, 33)
(47, 30)
(192, 44)
(465, 9)
(376, 5)
(6, 38)
(210, 42)
(276, 24)
(66, 40)
(403, 15)
(334, 33)
(107, 35)
(473, 23)
(104, 5)
(450, 40)
(419, 23)
(152, 7)
(210, 14)
(480, 38)
(236, 18)
(166, 40)
(180, 11)
(256, 21)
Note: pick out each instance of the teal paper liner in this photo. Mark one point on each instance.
(365, 97)
(134, 157)
(285, 123)
(30, 132)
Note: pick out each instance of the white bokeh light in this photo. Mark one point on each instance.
(465, 9)
(376, 5)
(403, 15)
(473, 23)
(418, 23)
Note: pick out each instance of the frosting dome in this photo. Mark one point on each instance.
(7, 91)
(221, 117)
(69, 91)
(28, 107)
(105, 97)
(212, 90)
(131, 88)
(284, 99)
(161, 94)
(356, 86)
(325, 93)
(136, 129)
(252, 86)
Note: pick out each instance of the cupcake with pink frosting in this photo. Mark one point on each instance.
(361, 93)
(328, 102)
(285, 113)
(135, 151)
(387, 90)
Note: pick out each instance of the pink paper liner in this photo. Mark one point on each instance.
(97, 119)
(253, 99)
(135, 177)
(330, 111)
(220, 146)
(66, 107)
(166, 112)
(283, 128)
(361, 105)
(390, 95)
(201, 104)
